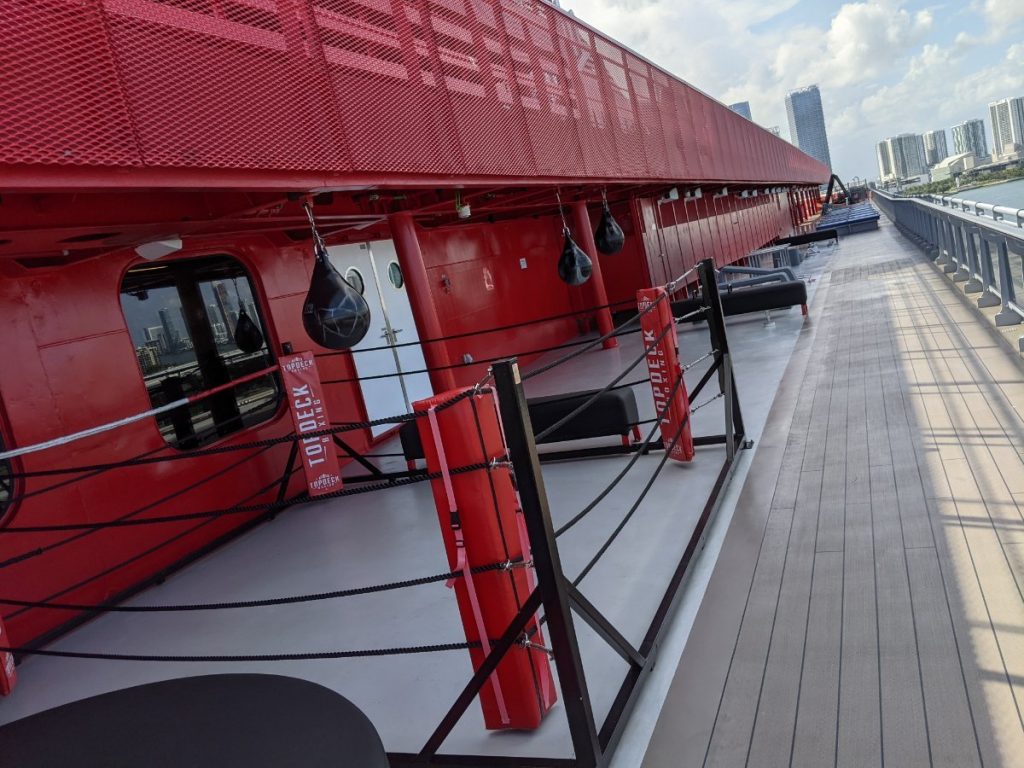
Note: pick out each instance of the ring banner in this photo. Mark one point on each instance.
(309, 414)
(8, 672)
(663, 365)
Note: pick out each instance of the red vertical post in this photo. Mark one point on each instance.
(8, 672)
(407, 245)
(597, 295)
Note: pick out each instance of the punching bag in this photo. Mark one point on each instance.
(248, 336)
(334, 314)
(608, 236)
(574, 266)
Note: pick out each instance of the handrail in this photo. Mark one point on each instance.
(976, 243)
(1004, 213)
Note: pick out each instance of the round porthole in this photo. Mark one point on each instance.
(355, 279)
(395, 275)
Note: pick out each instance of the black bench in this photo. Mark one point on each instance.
(211, 721)
(756, 298)
(613, 413)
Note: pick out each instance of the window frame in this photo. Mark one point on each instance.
(260, 304)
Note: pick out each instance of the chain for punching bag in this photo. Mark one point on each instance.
(335, 315)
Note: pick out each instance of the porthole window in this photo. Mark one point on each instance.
(395, 275)
(182, 317)
(355, 279)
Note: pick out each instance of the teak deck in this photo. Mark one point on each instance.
(867, 608)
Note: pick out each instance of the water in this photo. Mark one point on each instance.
(1009, 193)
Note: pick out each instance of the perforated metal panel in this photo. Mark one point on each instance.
(503, 89)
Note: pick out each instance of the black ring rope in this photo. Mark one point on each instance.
(640, 451)
(607, 388)
(241, 509)
(495, 329)
(155, 547)
(635, 506)
(256, 657)
(486, 360)
(272, 601)
(336, 428)
(137, 511)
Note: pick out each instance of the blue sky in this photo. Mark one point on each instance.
(883, 66)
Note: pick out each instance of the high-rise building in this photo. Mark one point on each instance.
(884, 160)
(969, 136)
(935, 148)
(1007, 118)
(901, 156)
(171, 334)
(807, 123)
(741, 108)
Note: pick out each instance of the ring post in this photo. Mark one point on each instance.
(551, 581)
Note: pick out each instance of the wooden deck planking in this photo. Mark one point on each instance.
(912, 647)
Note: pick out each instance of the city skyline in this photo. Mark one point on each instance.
(1005, 129)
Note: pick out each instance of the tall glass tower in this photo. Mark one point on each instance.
(807, 123)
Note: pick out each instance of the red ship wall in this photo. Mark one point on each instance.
(75, 367)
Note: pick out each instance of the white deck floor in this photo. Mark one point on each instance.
(394, 535)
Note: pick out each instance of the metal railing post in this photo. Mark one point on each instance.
(936, 235)
(973, 285)
(963, 271)
(551, 581)
(989, 297)
(950, 265)
(1007, 315)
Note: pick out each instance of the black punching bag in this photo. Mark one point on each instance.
(574, 266)
(609, 237)
(334, 314)
(248, 336)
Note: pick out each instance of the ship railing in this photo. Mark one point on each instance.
(978, 244)
(1003, 213)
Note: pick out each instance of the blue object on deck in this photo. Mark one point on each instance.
(859, 217)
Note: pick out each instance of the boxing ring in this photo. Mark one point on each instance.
(399, 624)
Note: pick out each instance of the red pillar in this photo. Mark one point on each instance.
(596, 294)
(417, 281)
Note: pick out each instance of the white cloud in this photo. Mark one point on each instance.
(883, 66)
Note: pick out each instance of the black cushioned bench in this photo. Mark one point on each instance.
(756, 298)
(211, 721)
(613, 413)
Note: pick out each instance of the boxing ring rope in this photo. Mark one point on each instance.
(551, 591)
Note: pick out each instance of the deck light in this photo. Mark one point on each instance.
(609, 236)
(334, 313)
(158, 248)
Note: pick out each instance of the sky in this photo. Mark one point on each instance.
(883, 66)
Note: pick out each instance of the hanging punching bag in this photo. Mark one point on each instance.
(248, 336)
(608, 236)
(334, 314)
(574, 266)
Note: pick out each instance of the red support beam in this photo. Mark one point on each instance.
(407, 245)
(597, 295)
